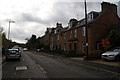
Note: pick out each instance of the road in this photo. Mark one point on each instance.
(34, 65)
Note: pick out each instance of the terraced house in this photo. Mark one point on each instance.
(73, 37)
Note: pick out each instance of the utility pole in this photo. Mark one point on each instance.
(86, 25)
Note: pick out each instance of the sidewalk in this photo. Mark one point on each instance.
(113, 67)
(109, 63)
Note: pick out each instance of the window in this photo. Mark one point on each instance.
(83, 47)
(75, 46)
(55, 31)
(83, 31)
(75, 35)
(51, 47)
(64, 47)
(59, 46)
(58, 36)
(64, 35)
(90, 17)
(70, 46)
(70, 34)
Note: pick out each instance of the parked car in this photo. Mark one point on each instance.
(38, 50)
(113, 54)
(24, 49)
(13, 54)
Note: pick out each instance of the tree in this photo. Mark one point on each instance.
(32, 43)
(4, 41)
(114, 38)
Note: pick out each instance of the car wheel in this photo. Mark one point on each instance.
(117, 58)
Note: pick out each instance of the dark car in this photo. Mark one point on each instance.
(13, 54)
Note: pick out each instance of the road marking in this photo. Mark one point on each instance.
(94, 67)
(21, 68)
(41, 68)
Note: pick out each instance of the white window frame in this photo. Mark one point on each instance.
(83, 31)
(75, 33)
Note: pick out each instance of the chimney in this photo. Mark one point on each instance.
(59, 25)
(108, 6)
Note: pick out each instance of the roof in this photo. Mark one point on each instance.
(82, 21)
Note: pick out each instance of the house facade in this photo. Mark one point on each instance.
(73, 37)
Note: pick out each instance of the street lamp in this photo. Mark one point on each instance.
(86, 29)
(9, 31)
(9, 28)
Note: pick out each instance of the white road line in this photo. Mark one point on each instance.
(41, 68)
(21, 68)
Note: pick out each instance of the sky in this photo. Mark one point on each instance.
(34, 16)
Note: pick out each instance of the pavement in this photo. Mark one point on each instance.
(109, 63)
(113, 67)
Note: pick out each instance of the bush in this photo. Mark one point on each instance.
(114, 38)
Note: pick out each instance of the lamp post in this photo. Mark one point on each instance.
(86, 29)
(9, 31)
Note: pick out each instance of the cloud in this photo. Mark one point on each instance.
(33, 17)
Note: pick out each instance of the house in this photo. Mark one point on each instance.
(73, 37)
(46, 40)
(54, 45)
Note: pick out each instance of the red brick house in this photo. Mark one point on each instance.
(73, 37)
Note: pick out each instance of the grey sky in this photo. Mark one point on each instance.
(34, 16)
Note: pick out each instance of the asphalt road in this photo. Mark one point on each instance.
(41, 66)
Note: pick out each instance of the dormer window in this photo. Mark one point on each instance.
(90, 17)
(69, 25)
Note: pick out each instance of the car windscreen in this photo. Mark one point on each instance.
(116, 50)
